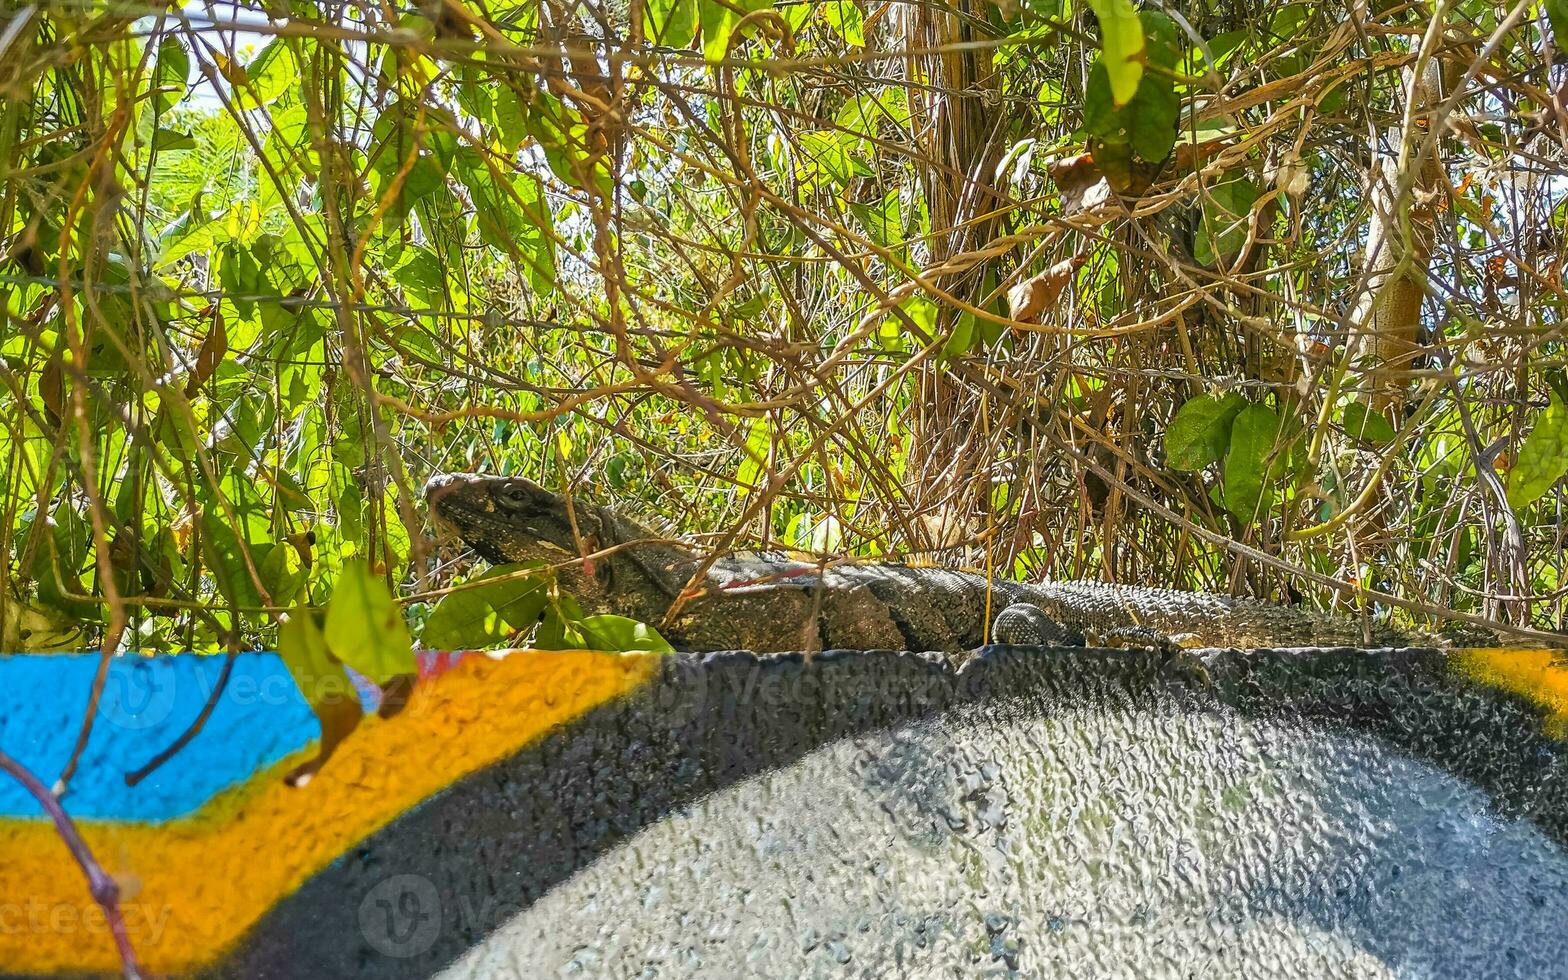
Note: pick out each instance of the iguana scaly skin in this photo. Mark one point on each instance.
(772, 602)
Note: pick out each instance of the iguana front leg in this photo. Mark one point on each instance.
(1024, 624)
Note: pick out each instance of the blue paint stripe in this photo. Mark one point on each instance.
(147, 703)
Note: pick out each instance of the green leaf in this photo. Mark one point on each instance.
(922, 312)
(1162, 39)
(226, 552)
(1222, 46)
(487, 615)
(174, 65)
(170, 74)
(846, 20)
(1543, 459)
(1145, 122)
(270, 74)
(1200, 432)
(1287, 19)
(1249, 469)
(365, 627)
(165, 140)
(242, 279)
(281, 572)
(303, 649)
(58, 562)
(1121, 38)
(883, 222)
(557, 633)
(672, 23)
(558, 627)
(512, 216)
(965, 329)
(718, 23)
(1362, 423)
(1225, 218)
(1557, 16)
(617, 634)
(759, 441)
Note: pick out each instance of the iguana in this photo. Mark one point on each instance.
(771, 602)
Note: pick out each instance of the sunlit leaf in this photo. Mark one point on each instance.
(303, 649)
(486, 615)
(718, 23)
(1254, 441)
(617, 634)
(1121, 39)
(672, 23)
(365, 627)
(1200, 432)
(1543, 459)
(846, 20)
(759, 443)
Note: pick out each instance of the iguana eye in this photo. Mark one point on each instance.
(515, 495)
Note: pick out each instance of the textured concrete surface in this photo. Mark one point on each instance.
(1041, 813)
(1080, 842)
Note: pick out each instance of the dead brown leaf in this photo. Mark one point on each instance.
(1029, 300)
(1080, 182)
(209, 356)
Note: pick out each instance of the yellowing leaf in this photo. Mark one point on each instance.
(1121, 38)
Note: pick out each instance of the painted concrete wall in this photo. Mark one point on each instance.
(1039, 813)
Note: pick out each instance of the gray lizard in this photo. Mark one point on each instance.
(768, 602)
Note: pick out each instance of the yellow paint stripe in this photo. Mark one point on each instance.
(192, 887)
(1539, 675)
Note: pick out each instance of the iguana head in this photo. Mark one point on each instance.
(509, 519)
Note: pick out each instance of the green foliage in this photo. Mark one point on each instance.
(490, 615)
(1361, 422)
(252, 299)
(1137, 129)
(1557, 16)
(1543, 459)
(1252, 462)
(365, 628)
(1200, 433)
(610, 633)
(1226, 209)
(318, 675)
(1122, 41)
(671, 22)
